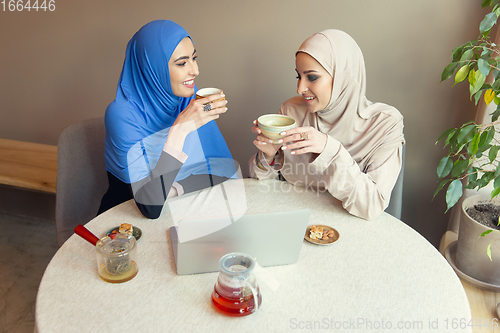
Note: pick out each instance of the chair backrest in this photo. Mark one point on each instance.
(81, 175)
(396, 202)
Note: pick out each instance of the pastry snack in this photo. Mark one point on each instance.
(316, 232)
(320, 233)
(126, 228)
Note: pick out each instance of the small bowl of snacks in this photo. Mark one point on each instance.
(321, 234)
(126, 228)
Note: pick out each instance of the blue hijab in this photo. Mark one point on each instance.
(139, 119)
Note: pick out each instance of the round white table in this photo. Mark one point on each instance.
(379, 276)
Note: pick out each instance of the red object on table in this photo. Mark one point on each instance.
(83, 232)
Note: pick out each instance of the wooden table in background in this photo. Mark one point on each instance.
(28, 165)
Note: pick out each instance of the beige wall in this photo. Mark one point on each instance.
(60, 67)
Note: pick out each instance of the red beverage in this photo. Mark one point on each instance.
(236, 288)
(242, 305)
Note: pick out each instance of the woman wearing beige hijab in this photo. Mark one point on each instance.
(343, 143)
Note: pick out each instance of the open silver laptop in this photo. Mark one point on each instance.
(271, 238)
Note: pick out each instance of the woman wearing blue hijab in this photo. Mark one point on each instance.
(161, 141)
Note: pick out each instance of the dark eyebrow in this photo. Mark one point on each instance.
(184, 57)
(307, 72)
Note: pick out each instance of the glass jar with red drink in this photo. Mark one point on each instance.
(236, 292)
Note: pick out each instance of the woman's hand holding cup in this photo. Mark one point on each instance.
(199, 112)
(264, 144)
(301, 140)
(269, 128)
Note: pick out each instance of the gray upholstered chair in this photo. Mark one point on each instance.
(396, 203)
(81, 175)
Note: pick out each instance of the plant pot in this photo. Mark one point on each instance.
(471, 256)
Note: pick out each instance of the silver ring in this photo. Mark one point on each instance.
(304, 136)
(207, 107)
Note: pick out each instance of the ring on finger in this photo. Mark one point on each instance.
(207, 107)
(304, 136)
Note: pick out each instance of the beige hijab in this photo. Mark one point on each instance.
(364, 128)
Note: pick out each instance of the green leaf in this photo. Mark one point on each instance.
(478, 82)
(471, 181)
(485, 179)
(486, 232)
(474, 145)
(466, 134)
(496, 114)
(482, 150)
(449, 70)
(444, 167)
(496, 85)
(488, 22)
(470, 185)
(453, 193)
(459, 168)
(445, 134)
(477, 97)
(492, 155)
(457, 53)
(495, 192)
(467, 55)
(440, 187)
(460, 137)
(472, 77)
(484, 66)
(450, 138)
(458, 148)
(472, 174)
(485, 3)
(488, 251)
(461, 74)
(486, 53)
(486, 136)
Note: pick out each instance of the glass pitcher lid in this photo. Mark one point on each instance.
(236, 264)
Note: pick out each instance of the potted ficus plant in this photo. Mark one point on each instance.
(472, 158)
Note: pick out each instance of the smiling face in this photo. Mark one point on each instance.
(314, 83)
(183, 68)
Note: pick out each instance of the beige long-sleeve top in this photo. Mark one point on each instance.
(361, 180)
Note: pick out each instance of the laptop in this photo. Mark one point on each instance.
(272, 239)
